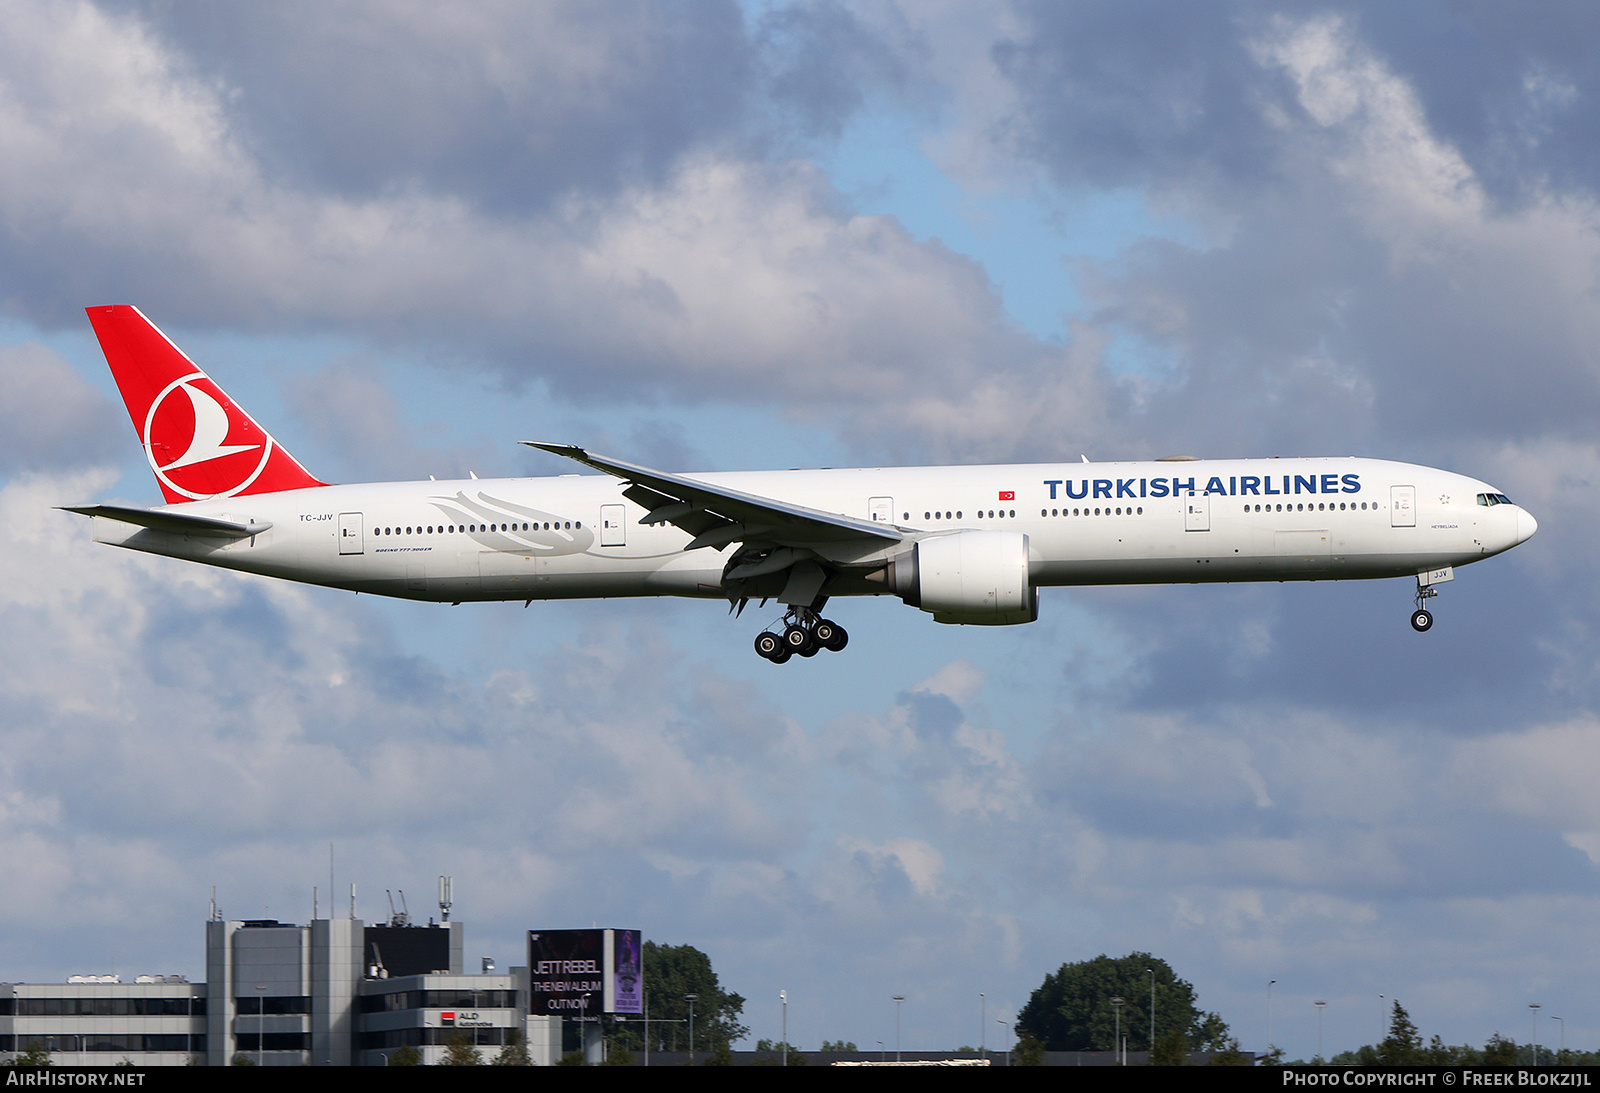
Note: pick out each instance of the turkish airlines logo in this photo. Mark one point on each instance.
(186, 441)
(1008, 495)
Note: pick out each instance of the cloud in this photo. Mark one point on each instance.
(712, 277)
(1351, 281)
(506, 106)
(349, 410)
(1142, 94)
(50, 418)
(1540, 773)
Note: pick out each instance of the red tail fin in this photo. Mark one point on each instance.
(199, 442)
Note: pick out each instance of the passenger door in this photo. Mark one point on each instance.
(350, 541)
(612, 532)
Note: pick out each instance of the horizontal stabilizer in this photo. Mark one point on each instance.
(165, 520)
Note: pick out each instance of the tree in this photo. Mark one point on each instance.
(1028, 1052)
(1214, 1035)
(670, 972)
(1403, 1045)
(774, 1050)
(459, 1051)
(34, 1054)
(1072, 1010)
(1229, 1054)
(1439, 1054)
(839, 1045)
(405, 1055)
(515, 1051)
(1172, 1049)
(1500, 1051)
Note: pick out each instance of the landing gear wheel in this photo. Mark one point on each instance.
(830, 635)
(797, 639)
(1421, 621)
(803, 634)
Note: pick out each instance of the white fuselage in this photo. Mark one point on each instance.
(1087, 523)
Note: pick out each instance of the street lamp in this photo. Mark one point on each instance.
(1535, 1007)
(1269, 1013)
(1151, 973)
(583, 1028)
(983, 1022)
(899, 998)
(1007, 1024)
(783, 996)
(1319, 1004)
(1116, 1006)
(690, 998)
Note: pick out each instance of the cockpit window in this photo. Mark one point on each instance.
(1493, 499)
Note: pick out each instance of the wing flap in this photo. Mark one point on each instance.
(700, 508)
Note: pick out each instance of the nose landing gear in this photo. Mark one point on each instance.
(1422, 618)
(804, 634)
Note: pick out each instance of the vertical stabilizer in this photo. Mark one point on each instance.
(199, 442)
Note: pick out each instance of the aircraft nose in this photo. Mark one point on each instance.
(1526, 525)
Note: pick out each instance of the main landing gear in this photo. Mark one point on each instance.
(804, 634)
(1421, 618)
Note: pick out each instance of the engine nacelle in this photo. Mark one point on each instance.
(972, 577)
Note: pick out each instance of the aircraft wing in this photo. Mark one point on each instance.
(166, 520)
(716, 515)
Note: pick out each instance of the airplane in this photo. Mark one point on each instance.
(966, 544)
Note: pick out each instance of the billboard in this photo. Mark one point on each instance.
(581, 973)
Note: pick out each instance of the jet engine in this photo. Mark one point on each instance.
(973, 577)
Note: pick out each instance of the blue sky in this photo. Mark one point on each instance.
(821, 234)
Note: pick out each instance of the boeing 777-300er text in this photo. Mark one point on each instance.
(966, 544)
